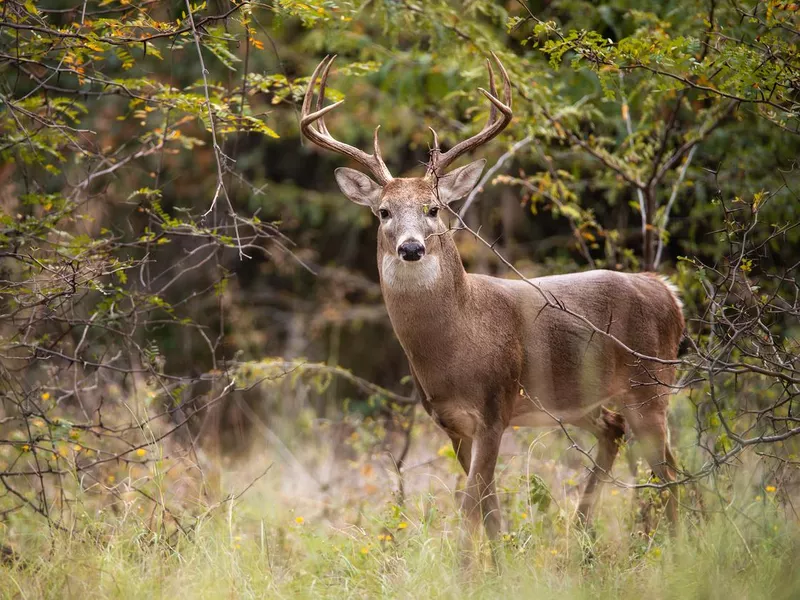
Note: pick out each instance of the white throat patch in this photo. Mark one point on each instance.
(404, 276)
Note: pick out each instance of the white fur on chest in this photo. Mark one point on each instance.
(402, 276)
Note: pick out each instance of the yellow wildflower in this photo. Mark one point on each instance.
(46, 396)
(299, 520)
(364, 549)
(771, 489)
(141, 452)
(402, 525)
(26, 447)
(445, 450)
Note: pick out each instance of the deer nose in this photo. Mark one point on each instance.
(411, 250)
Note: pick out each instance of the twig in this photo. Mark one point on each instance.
(671, 201)
(218, 154)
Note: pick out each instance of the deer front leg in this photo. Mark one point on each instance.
(479, 498)
(462, 445)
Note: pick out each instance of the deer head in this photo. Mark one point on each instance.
(409, 209)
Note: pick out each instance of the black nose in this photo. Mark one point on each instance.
(411, 250)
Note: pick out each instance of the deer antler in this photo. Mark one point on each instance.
(322, 137)
(439, 161)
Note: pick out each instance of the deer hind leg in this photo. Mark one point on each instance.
(647, 417)
(609, 428)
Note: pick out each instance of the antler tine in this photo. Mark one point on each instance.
(506, 82)
(321, 97)
(435, 139)
(322, 137)
(309, 95)
(376, 147)
(493, 91)
(494, 125)
(319, 112)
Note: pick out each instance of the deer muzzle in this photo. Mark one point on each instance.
(411, 250)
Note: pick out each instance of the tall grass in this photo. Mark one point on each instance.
(270, 544)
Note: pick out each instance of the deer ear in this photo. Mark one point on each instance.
(358, 187)
(457, 184)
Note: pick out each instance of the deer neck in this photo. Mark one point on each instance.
(425, 301)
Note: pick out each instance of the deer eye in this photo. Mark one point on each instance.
(384, 214)
(433, 211)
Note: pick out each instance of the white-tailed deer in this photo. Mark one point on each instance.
(486, 353)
